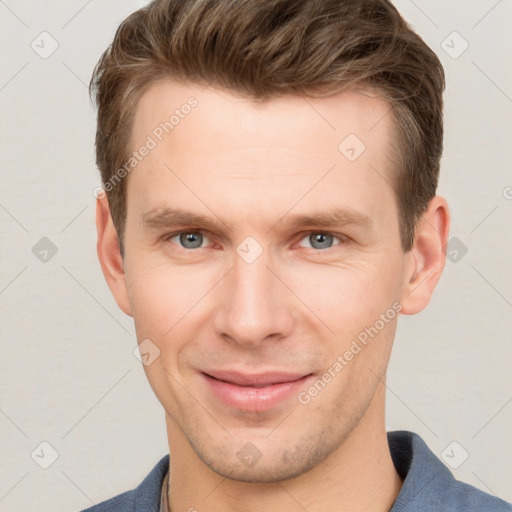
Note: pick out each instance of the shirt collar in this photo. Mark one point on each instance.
(426, 480)
(164, 501)
(423, 474)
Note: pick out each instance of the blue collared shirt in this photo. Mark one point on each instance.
(428, 485)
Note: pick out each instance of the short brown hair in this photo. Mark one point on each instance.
(266, 48)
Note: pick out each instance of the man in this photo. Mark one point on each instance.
(270, 170)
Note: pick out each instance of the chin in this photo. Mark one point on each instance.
(273, 463)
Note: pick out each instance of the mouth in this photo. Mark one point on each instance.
(253, 392)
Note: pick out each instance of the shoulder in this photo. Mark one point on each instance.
(144, 498)
(464, 497)
(123, 502)
(429, 485)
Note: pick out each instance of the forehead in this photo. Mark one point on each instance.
(208, 142)
(166, 105)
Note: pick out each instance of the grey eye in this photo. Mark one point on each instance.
(191, 240)
(320, 240)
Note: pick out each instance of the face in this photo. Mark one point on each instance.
(262, 239)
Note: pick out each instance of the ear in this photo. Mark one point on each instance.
(427, 257)
(109, 254)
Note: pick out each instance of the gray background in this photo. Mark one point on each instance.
(68, 374)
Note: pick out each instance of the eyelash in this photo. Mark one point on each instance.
(342, 238)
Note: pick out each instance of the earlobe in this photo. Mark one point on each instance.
(427, 257)
(109, 254)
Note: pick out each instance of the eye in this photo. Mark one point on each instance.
(188, 239)
(317, 240)
(320, 240)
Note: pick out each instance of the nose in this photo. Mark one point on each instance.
(255, 306)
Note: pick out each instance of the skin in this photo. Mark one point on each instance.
(251, 166)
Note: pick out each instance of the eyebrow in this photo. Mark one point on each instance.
(339, 217)
(171, 217)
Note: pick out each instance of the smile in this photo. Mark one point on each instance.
(253, 393)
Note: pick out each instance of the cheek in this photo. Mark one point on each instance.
(165, 298)
(344, 297)
(168, 300)
(348, 304)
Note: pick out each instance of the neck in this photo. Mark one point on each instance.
(358, 476)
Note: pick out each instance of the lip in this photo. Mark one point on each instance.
(253, 392)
